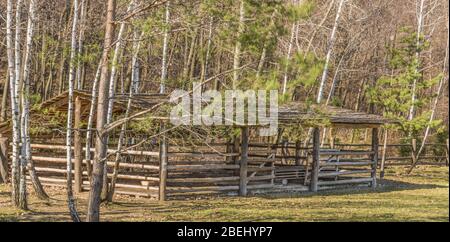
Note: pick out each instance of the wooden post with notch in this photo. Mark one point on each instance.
(375, 146)
(3, 160)
(244, 162)
(314, 184)
(78, 148)
(163, 163)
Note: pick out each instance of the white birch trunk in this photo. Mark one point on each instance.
(288, 57)
(329, 52)
(115, 60)
(414, 85)
(208, 49)
(434, 107)
(91, 120)
(112, 89)
(133, 90)
(15, 166)
(237, 50)
(162, 88)
(81, 42)
(25, 122)
(72, 74)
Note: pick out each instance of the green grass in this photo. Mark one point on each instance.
(422, 196)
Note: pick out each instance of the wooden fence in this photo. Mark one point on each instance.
(165, 170)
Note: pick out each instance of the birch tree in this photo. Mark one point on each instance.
(112, 88)
(15, 166)
(329, 52)
(164, 66)
(83, 10)
(439, 91)
(90, 122)
(237, 49)
(69, 138)
(25, 122)
(420, 17)
(133, 90)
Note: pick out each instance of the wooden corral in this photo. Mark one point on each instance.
(163, 169)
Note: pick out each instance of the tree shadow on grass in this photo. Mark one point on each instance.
(384, 186)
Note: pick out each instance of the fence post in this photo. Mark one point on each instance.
(375, 145)
(413, 152)
(163, 162)
(244, 162)
(78, 148)
(297, 153)
(446, 153)
(3, 160)
(313, 186)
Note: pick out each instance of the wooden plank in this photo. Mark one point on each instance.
(342, 173)
(350, 153)
(244, 162)
(365, 163)
(202, 189)
(201, 167)
(110, 164)
(205, 179)
(202, 155)
(343, 182)
(259, 169)
(316, 161)
(110, 151)
(261, 178)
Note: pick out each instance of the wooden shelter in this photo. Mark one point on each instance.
(165, 169)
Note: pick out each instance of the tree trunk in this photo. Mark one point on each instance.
(80, 64)
(112, 89)
(237, 49)
(433, 110)
(26, 141)
(162, 88)
(329, 51)
(91, 120)
(94, 201)
(15, 166)
(70, 111)
(3, 116)
(288, 58)
(418, 43)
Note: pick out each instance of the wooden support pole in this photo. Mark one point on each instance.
(297, 153)
(78, 148)
(163, 163)
(375, 145)
(244, 162)
(446, 153)
(413, 151)
(3, 160)
(313, 186)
